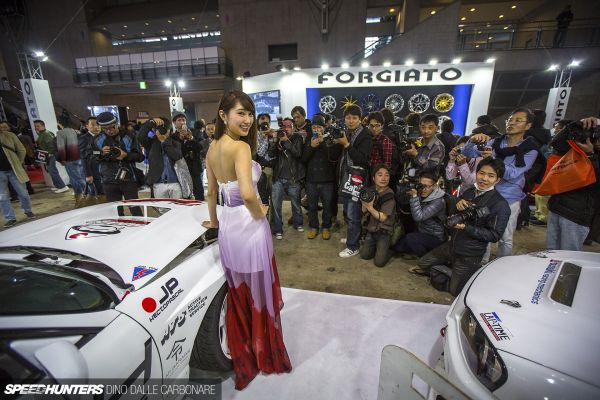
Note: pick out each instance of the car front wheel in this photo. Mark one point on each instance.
(211, 352)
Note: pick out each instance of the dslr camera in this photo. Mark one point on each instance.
(407, 135)
(265, 126)
(576, 132)
(470, 214)
(112, 155)
(481, 146)
(331, 134)
(367, 194)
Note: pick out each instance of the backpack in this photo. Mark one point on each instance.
(439, 277)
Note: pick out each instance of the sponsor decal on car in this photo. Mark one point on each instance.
(102, 227)
(178, 354)
(170, 293)
(142, 271)
(548, 272)
(493, 323)
(196, 305)
(177, 322)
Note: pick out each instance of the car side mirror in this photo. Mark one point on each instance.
(62, 361)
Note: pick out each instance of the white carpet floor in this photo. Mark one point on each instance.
(335, 342)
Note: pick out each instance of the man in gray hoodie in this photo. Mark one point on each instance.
(428, 209)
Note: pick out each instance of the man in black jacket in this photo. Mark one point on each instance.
(90, 164)
(356, 141)
(320, 162)
(470, 238)
(287, 177)
(192, 152)
(117, 152)
(163, 151)
(571, 213)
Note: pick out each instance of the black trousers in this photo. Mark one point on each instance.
(122, 191)
(463, 267)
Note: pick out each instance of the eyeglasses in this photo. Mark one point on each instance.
(110, 127)
(515, 121)
(374, 126)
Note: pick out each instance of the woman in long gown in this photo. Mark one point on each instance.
(253, 325)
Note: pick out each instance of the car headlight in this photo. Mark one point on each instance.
(483, 359)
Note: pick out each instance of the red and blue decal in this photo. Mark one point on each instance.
(141, 272)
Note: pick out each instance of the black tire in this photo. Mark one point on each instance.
(207, 353)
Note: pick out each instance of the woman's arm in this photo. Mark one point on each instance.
(243, 172)
(211, 195)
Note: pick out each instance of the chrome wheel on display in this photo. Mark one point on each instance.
(327, 104)
(394, 102)
(419, 103)
(370, 103)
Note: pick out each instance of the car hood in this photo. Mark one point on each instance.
(136, 248)
(542, 330)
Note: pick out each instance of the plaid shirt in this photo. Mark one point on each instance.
(262, 147)
(429, 156)
(381, 151)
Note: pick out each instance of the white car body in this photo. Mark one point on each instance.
(162, 286)
(548, 348)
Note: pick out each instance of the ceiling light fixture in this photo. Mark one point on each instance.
(345, 65)
(392, 10)
(472, 9)
(433, 61)
(433, 12)
(409, 62)
(297, 68)
(463, 18)
(168, 83)
(513, 7)
(574, 63)
(364, 64)
(490, 60)
(324, 66)
(553, 67)
(387, 64)
(456, 60)
(501, 16)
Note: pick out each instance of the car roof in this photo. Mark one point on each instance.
(134, 247)
(545, 331)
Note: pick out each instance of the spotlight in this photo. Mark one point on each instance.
(364, 64)
(387, 64)
(283, 69)
(168, 83)
(180, 83)
(239, 78)
(553, 67)
(409, 62)
(472, 9)
(45, 59)
(38, 53)
(574, 63)
(490, 60)
(345, 65)
(297, 68)
(433, 61)
(324, 66)
(456, 60)
(500, 16)
(433, 12)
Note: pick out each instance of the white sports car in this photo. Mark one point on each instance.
(526, 327)
(90, 294)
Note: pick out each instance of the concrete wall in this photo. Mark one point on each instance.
(249, 27)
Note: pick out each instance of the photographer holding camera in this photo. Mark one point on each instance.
(481, 219)
(287, 176)
(191, 150)
(429, 155)
(266, 140)
(320, 162)
(571, 213)
(428, 210)
(379, 204)
(460, 171)
(117, 152)
(163, 151)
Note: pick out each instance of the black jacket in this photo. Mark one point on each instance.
(359, 152)
(474, 239)
(109, 167)
(289, 153)
(155, 150)
(489, 130)
(89, 161)
(192, 153)
(320, 162)
(576, 205)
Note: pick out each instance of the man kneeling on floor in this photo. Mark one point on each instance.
(481, 217)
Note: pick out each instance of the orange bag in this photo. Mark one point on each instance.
(573, 171)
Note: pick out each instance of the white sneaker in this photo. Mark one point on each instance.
(64, 189)
(53, 189)
(300, 229)
(347, 253)
(279, 236)
(343, 240)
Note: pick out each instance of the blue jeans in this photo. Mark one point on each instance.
(20, 188)
(314, 192)
(417, 243)
(75, 172)
(352, 215)
(53, 171)
(292, 189)
(563, 234)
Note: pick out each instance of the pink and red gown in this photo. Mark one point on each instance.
(254, 333)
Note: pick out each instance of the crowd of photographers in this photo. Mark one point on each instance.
(408, 187)
(414, 189)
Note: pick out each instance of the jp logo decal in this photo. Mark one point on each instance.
(141, 272)
(103, 227)
(493, 323)
(170, 293)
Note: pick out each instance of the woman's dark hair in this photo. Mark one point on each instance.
(227, 103)
(388, 116)
(377, 116)
(496, 164)
(377, 167)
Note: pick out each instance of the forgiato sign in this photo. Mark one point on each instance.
(556, 107)
(38, 101)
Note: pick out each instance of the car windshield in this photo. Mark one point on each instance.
(32, 288)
